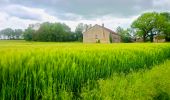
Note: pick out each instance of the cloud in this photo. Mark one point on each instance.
(7, 21)
(23, 12)
(162, 5)
(109, 22)
(111, 12)
(18, 16)
(88, 9)
(27, 13)
(91, 8)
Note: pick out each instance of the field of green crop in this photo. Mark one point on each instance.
(50, 71)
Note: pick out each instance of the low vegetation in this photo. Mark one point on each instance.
(151, 84)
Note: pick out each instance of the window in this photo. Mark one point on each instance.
(97, 37)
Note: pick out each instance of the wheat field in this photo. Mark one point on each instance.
(52, 71)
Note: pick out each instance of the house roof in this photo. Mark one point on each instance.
(103, 28)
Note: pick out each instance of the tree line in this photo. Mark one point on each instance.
(50, 32)
(11, 34)
(54, 32)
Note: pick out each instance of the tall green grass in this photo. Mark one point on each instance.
(151, 84)
(60, 70)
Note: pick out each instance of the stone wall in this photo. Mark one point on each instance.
(159, 40)
(97, 33)
(116, 38)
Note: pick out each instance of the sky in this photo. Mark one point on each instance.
(113, 13)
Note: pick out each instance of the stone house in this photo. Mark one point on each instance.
(100, 34)
(159, 38)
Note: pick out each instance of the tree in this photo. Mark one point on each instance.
(18, 33)
(12, 34)
(79, 31)
(125, 34)
(28, 34)
(58, 32)
(166, 28)
(8, 32)
(148, 25)
(66, 28)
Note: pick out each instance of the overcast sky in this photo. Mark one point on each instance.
(113, 13)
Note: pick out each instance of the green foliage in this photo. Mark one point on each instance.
(147, 84)
(166, 28)
(12, 34)
(28, 34)
(18, 34)
(150, 24)
(110, 38)
(50, 32)
(79, 31)
(54, 71)
(125, 35)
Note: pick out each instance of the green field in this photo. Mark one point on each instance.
(50, 71)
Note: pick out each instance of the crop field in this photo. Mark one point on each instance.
(67, 71)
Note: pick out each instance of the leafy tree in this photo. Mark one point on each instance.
(18, 33)
(58, 32)
(28, 34)
(53, 32)
(148, 25)
(66, 28)
(12, 34)
(79, 31)
(166, 28)
(8, 32)
(125, 34)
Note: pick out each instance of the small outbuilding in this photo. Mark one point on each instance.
(159, 38)
(100, 34)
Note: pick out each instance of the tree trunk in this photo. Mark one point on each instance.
(144, 38)
(151, 37)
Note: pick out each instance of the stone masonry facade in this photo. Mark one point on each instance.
(100, 34)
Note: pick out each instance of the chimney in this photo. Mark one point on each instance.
(103, 25)
(86, 27)
(90, 25)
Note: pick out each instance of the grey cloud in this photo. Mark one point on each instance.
(90, 8)
(21, 12)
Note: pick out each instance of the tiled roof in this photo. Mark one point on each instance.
(104, 29)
